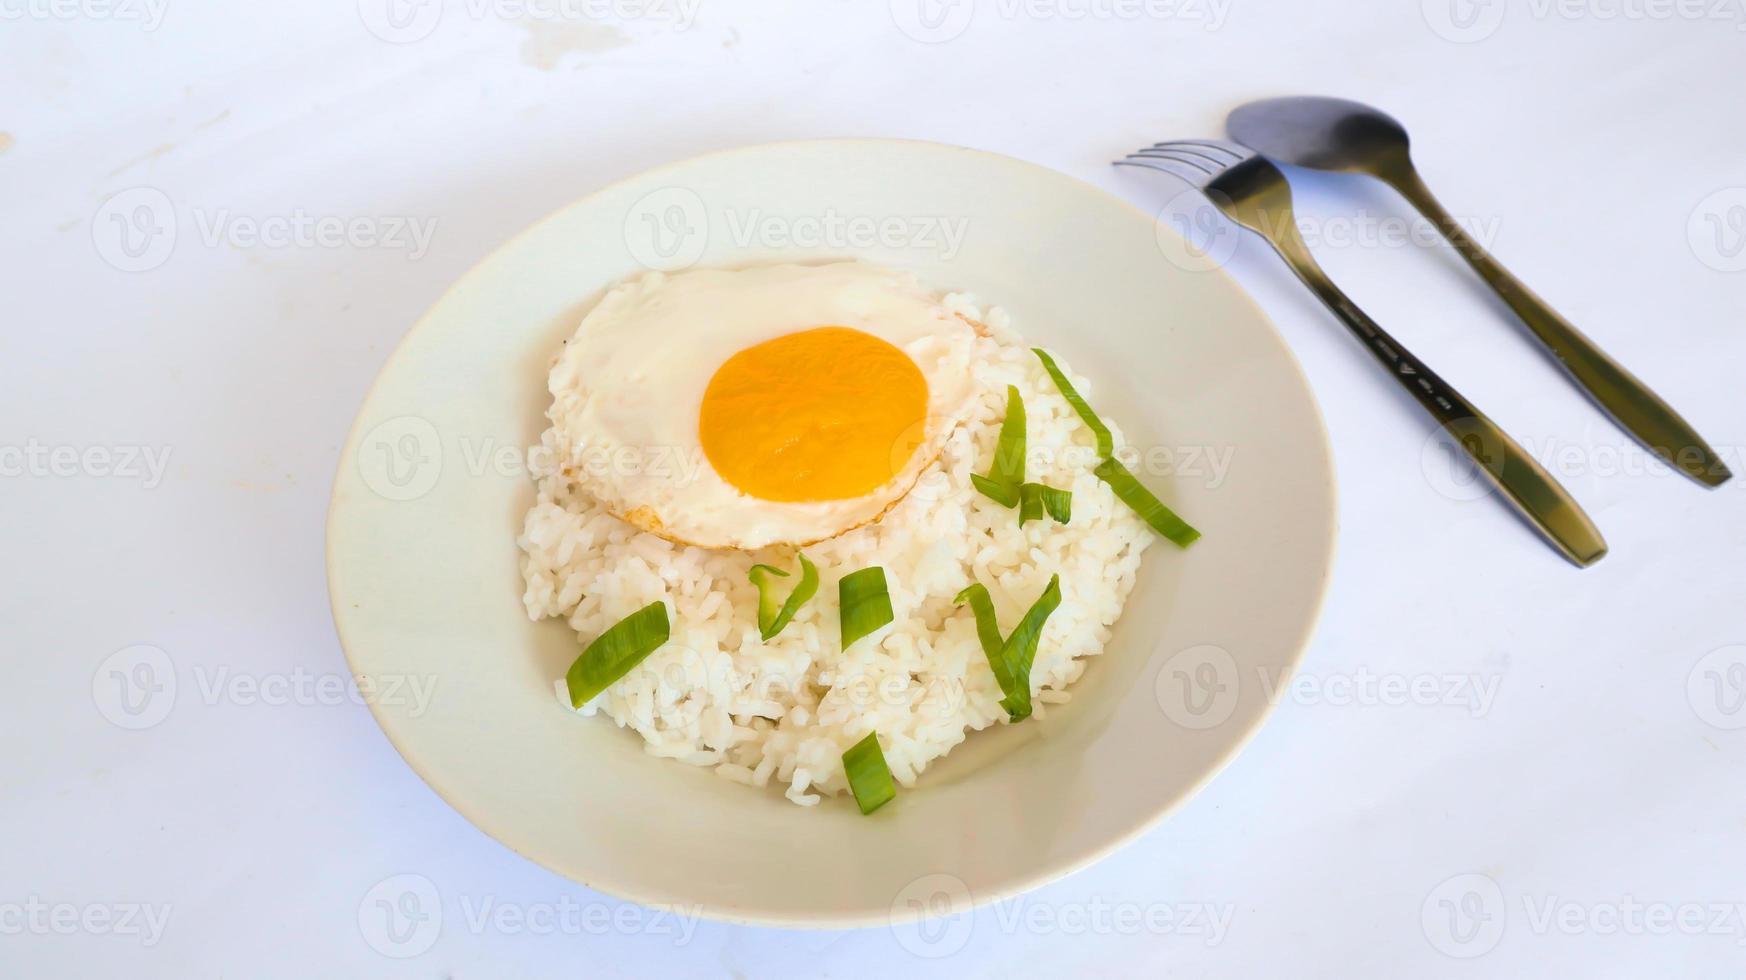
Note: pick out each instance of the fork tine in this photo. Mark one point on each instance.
(1201, 162)
(1180, 151)
(1233, 151)
(1193, 176)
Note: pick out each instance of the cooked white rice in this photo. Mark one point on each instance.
(716, 695)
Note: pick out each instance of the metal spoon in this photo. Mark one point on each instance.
(1335, 134)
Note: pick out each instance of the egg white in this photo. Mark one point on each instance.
(628, 386)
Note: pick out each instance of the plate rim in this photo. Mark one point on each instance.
(1041, 876)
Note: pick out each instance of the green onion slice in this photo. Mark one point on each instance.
(1035, 499)
(1023, 639)
(1132, 493)
(1009, 450)
(614, 652)
(1008, 470)
(1004, 494)
(770, 619)
(1105, 445)
(988, 634)
(865, 602)
(1020, 649)
(1011, 659)
(869, 776)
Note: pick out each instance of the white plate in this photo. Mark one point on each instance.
(424, 582)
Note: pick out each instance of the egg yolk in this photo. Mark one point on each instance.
(830, 413)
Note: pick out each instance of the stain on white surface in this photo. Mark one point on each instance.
(146, 157)
(548, 43)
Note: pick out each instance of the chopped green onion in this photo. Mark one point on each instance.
(865, 602)
(1005, 483)
(1132, 493)
(1035, 499)
(770, 620)
(1105, 445)
(1021, 645)
(869, 776)
(1004, 494)
(1009, 449)
(767, 604)
(1008, 470)
(988, 634)
(614, 652)
(1011, 659)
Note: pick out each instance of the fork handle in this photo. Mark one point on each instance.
(1630, 402)
(1533, 491)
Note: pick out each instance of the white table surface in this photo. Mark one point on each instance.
(1493, 764)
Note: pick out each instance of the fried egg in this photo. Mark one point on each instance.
(772, 405)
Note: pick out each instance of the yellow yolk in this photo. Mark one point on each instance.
(824, 414)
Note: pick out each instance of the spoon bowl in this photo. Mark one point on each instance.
(1322, 133)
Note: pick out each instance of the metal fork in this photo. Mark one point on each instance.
(1254, 194)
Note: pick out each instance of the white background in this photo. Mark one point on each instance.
(1576, 806)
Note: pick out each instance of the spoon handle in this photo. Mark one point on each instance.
(1629, 402)
(1536, 495)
